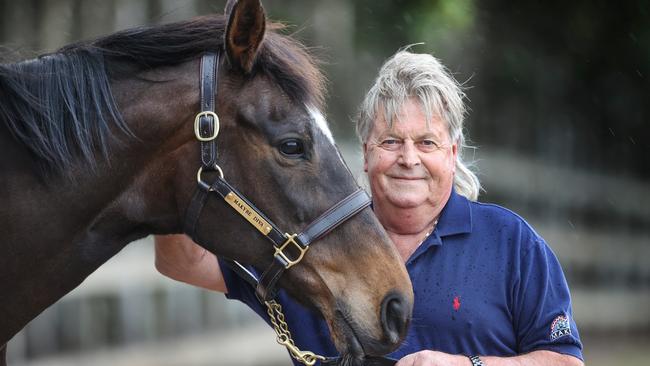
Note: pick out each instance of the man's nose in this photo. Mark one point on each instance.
(409, 156)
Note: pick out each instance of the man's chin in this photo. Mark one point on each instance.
(407, 200)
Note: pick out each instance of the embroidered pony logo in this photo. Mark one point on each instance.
(560, 327)
(456, 303)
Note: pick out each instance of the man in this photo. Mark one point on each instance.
(488, 289)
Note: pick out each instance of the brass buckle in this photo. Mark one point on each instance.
(280, 251)
(197, 131)
(308, 358)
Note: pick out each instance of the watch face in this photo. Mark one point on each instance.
(476, 361)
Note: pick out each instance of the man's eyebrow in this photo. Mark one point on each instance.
(389, 134)
(427, 135)
(396, 134)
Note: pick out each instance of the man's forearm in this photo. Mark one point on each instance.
(536, 358)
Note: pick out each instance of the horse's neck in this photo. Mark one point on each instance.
(54, 233)
(45, 240)
(59, 230)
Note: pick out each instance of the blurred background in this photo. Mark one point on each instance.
(560, 110)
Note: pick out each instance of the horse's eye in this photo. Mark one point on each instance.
(292, 148)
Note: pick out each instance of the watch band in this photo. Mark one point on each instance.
(476, 361)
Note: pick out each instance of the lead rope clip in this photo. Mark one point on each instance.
(284, 335)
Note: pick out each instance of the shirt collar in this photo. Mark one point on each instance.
(456, 216)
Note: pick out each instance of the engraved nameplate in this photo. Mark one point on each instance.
(248, 213)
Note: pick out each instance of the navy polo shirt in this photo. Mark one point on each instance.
(485, 283)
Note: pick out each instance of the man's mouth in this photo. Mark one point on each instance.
(406, 178)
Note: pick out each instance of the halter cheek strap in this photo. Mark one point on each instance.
(206, 123)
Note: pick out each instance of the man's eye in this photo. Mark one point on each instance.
(391, 143)
(429, 143)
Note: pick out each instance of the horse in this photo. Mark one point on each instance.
(98, 149)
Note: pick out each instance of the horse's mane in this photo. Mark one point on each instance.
(61, 107)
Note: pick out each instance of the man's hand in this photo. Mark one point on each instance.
(179, 258)
(433, 358)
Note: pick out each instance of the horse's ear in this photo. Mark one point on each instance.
(244, 32)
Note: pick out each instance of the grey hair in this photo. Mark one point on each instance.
(412, 75)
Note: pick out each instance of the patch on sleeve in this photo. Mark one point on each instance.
(560, 327)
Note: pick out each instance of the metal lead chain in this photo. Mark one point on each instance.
(284, 335)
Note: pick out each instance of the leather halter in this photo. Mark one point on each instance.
(289, 248)
(206, 129)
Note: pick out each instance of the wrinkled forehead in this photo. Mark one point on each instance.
(390, 110)
(406, 115)
(409, 115)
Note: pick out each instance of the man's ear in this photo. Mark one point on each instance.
(454, 152)
(365, 157)
(244, 33)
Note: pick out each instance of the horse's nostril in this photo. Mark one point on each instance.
(394, 317)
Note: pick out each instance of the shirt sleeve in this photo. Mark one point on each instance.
(543, 316)
(238, 289)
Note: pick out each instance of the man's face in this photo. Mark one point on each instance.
(410, 164)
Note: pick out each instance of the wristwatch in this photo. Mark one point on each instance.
(476, 361)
